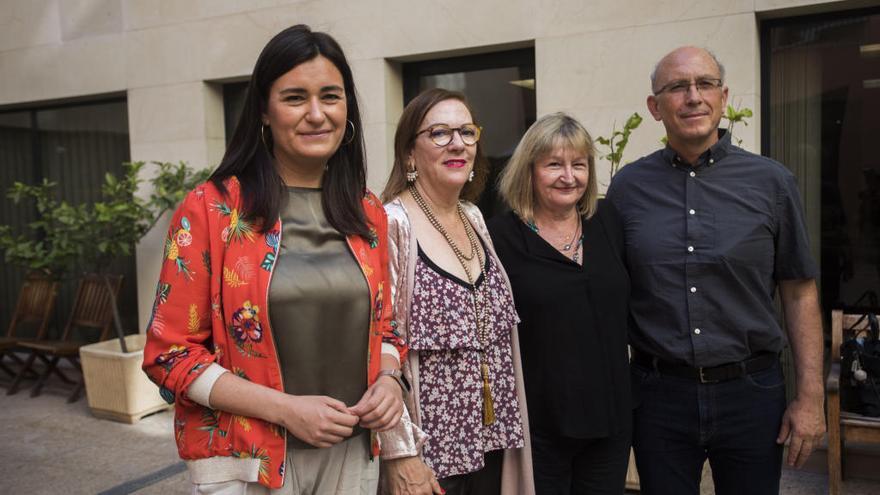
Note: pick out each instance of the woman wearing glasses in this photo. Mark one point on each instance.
(452, 304)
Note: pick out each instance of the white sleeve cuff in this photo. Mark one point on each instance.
(391, 351)
(200, 389)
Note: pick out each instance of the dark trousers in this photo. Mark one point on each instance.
(486, 481)
(680, 423)
(566, 466)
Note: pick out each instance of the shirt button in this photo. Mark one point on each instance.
(692, 211)
(690, 249)
(693, 289)
(693, 174)
(697, 331)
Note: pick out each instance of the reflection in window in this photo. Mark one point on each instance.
(824, 99)
(233, 104)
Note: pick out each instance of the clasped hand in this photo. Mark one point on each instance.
(324, 421)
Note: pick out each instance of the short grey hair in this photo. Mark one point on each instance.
(721, 70)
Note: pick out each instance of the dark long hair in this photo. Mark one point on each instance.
(249, 158)
(405, 140)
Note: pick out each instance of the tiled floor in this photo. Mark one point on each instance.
(52, 447)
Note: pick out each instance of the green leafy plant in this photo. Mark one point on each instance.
(54, 241)
(120, 221)
(616, 143)
(734, 115)
(93, 235)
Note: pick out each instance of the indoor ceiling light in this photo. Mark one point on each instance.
(524, 83)
(872, 50)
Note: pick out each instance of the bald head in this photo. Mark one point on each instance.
(683, 55)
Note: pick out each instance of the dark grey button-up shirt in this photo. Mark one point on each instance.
(706, 245)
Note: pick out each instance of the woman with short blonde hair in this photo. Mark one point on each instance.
(550, 131)
(563, 251)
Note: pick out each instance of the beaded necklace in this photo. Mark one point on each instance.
(575, 256)
(476, 296)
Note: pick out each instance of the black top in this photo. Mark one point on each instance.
(573, 330)
(706, 245)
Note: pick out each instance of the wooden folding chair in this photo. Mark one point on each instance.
(844, 425)
(92, 309)
(36, 300)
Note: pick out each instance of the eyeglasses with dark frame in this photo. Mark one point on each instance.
(441, 134)
(682, 86)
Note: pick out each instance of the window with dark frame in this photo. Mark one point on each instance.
(73, 145)
(821, 95)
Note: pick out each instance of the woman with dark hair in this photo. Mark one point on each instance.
(453, 307)
(282, 400)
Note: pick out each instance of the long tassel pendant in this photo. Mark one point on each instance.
(488, 406)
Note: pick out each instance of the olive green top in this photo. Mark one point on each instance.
(319, 304)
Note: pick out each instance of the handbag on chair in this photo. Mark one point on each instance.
(860, 369)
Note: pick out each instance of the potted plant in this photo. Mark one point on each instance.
(115, 386)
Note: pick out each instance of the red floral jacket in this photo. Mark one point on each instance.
(211, 306)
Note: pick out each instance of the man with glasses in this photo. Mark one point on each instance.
(711, 232)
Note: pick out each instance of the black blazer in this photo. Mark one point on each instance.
(574, 321)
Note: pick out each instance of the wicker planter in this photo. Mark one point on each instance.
(116, 387)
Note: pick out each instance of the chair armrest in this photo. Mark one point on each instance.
(832, 384)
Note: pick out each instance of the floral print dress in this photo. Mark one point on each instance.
(444, 331)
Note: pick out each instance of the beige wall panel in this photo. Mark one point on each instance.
(85, 67)
(149, 261)
(167, 113)
(765, 5)
(562, 18)
(28, 23)
(232, 45)
(603, 77)
(369, 76)
(84, 18)
(380, 153)
(142, 14)
(198, 153)
(380, 95)
(166, 55)
(401, 28)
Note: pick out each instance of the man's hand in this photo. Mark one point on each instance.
(804, 424)
(804, 421)
(409, 476)
(317, 420)
(381, 406)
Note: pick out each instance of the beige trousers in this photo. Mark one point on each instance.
(343, 469)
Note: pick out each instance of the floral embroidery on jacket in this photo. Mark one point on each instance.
(238, 228)
(222, 306)
(179, 238)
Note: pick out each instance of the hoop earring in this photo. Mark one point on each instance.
(263, 136)
(350, 139)
(412, 174)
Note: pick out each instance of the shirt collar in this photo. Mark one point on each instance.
(714, 154)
